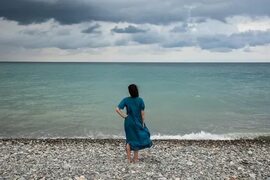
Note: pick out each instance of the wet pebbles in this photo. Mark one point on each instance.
(82, 159)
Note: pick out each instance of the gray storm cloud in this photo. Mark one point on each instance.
(152, 11)
(129, 29)
(234, 41)
(92, 29)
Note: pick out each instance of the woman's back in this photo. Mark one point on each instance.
(134, 106)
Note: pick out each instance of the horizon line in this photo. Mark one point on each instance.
(133, 62)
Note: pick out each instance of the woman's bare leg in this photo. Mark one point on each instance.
(136, 156)
(128, 152)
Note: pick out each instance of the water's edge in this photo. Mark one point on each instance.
(112, 141)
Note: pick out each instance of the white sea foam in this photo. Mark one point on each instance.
(196, 136)
(202, 135)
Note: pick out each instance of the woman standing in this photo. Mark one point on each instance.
(137, 134)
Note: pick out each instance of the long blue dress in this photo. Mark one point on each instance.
(137, 136)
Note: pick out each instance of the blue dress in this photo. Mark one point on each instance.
(137, 136)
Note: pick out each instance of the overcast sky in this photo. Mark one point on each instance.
(134, 31)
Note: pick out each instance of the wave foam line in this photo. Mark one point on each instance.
(193, 136)
(202, 135)
(209, 136)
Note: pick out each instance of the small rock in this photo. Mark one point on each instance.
(21, 178)
(252, 175)
(66, 166)
(80, 178)
(244, 162)
(189, 163)
(249, 152)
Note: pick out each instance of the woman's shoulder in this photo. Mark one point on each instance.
(128, 97)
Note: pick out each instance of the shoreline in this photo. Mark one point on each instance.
(73, 158)
(261, 139)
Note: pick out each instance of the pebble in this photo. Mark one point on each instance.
(80, 178)
(249, 152)
(21, 178)
(252, 175)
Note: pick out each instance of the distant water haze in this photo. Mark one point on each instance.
(182, 100)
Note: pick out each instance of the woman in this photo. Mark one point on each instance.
(137, 134)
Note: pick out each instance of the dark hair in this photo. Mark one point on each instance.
(133, 90)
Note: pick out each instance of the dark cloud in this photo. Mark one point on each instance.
(181, 28)
(214, 42)
(63, 11)
(129, 29)
(234, 41)
(91, 29)
(140, 11)
(220, 9)
(34, 32)
(148, 38)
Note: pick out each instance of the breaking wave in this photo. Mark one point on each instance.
(202, 135)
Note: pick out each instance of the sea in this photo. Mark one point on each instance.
(182, 100)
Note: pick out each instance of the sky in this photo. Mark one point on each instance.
(135, 30)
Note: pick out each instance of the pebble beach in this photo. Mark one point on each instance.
(106, 159)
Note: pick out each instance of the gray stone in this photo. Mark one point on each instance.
(252, 175)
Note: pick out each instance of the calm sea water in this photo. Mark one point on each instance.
(183, 100)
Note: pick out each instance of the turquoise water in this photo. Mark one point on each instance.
(182, 100)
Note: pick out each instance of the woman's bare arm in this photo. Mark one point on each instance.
(142, 112)
(121, 113)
